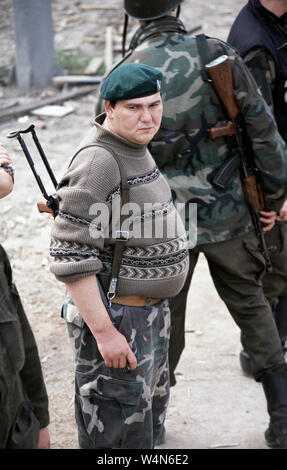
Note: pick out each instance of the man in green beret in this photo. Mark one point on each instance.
(118, 269)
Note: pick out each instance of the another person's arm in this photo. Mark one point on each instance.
(270, 150)
(262, 67)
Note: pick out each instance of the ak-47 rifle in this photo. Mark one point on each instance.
(51, 205)
(219, 71)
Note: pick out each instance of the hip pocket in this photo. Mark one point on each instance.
(257, 261)
(276, 238)
(25, 432)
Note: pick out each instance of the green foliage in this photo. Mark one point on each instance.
(4, 72)
(73, 62)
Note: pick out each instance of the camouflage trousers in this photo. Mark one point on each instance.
(113, 408)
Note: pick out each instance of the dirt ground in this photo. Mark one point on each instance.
(213, 406)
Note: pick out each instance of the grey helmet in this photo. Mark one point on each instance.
(149, 10)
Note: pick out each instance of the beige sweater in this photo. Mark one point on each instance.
(82, 243)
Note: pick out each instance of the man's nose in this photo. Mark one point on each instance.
(146, 115)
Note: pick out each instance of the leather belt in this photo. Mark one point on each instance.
(134, 300)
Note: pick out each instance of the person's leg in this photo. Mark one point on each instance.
(275, 282)
(280, 315)
(275, 287)
(115, 409)
(237, 268)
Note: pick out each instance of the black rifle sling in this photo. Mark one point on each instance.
(120, 240)
(204, 54)
(121, 236)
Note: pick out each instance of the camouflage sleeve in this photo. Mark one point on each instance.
(269, 148)
(262, 67)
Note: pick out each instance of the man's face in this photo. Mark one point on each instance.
(136, 120)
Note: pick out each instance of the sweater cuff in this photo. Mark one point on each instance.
(70, 272)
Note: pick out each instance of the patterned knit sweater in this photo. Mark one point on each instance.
(82, 241)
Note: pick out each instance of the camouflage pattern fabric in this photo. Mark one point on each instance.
(115, 409)
(262, 66)
(183, 149)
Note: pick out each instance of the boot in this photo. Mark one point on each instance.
(280, 316)
(275, 389)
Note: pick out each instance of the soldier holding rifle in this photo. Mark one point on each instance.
(191, 159)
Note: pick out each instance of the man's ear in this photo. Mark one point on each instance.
(109, 109)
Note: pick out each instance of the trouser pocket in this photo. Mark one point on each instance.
(276, 239)
(105, 409)
(25, 432)
(256, 263)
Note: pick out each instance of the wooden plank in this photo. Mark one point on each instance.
(91, 6)
(53, 110)
(94, 66)
(108, 48)
(76, 80)
(21, 110)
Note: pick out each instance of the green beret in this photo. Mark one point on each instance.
(130, 81)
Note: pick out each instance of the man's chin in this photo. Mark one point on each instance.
(145, 137)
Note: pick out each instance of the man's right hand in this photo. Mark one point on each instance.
(112, 345)
(115, 349)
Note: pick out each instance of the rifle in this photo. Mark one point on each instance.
(219, 71)
(52, 205)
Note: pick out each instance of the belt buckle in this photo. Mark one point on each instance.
(121, 236)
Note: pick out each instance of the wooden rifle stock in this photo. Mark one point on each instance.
(222, 131)
(219, 71)
(253, 193)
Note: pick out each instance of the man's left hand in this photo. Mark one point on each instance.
(44, 439)
(283, 213)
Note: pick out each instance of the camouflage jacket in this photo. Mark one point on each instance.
(183, 149)
(262, 66)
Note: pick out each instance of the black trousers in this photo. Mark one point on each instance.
(237, 269)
